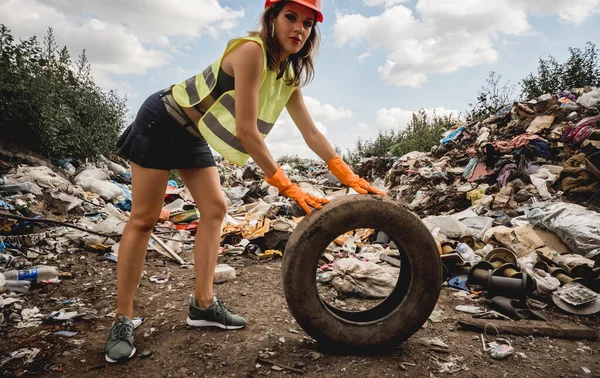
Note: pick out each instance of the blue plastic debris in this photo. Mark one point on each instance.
(459, 282)
(504, 110)
(6, 206)
(65, 333)
(124, 205)
(110, 257)
(453, 135)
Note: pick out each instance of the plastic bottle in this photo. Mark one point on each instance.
(2, 283)
(18, 286)
(38, 274)
(465, 251)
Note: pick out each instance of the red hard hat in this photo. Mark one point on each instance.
(312, 4)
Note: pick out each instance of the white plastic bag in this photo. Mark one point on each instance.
(545, 284)
(92, 180)
(590, 99)
(365, 279)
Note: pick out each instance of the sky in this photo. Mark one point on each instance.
(380, 60)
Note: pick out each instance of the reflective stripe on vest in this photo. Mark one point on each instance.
(218, 125)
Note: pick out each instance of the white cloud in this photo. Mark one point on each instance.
(325, 112)
(570, 12)
(120, 37)
(286, 139)
(398, 119)
(363, 56)
(446, 35)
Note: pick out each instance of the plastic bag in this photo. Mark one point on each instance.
(577, 227)
(365, 279)
(545, 283)
(590, 99)
(92, 180)
(499, 348)
(546, 174)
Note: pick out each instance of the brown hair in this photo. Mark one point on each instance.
(301, 64)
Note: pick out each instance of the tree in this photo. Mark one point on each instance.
(491, 96)
(380, 146)
(338, 150)
(582, 68)
(423, 132)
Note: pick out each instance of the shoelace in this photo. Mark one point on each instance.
(120, 331)
(223, 311)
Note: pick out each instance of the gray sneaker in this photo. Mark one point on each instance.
(216, 315)
(119, 346)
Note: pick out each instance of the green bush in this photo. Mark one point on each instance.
(422, 133)
(51, 105)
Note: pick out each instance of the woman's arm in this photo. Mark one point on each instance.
(319, 144)
(315, 140)
(247, 64)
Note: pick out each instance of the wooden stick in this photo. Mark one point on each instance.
(42, 220)
(174, 255)
(267, 362)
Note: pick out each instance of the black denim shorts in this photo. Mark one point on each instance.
(155, 140)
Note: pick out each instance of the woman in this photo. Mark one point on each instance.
(174, 127)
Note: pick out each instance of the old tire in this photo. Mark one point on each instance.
(396, 318)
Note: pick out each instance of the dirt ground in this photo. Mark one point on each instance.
(271, 333)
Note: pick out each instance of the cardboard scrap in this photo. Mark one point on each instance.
(522, 240)
(505, 198)
(540, 123)
(547, 252)
(552, 241)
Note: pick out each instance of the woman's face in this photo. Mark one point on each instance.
(293, 26)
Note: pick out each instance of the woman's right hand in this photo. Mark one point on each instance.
(293, 191)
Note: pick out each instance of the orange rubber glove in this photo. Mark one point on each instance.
(344, 173)
(293, 191)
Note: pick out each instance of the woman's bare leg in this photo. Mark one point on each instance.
(205, 187)
(148, 192)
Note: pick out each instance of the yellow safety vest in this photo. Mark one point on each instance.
(217, 125)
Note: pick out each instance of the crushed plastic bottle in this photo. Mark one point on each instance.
(38, 274)
(468, 254)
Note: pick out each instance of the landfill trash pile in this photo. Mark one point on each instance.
(545, 149)
(47, 211)
(512, 202)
